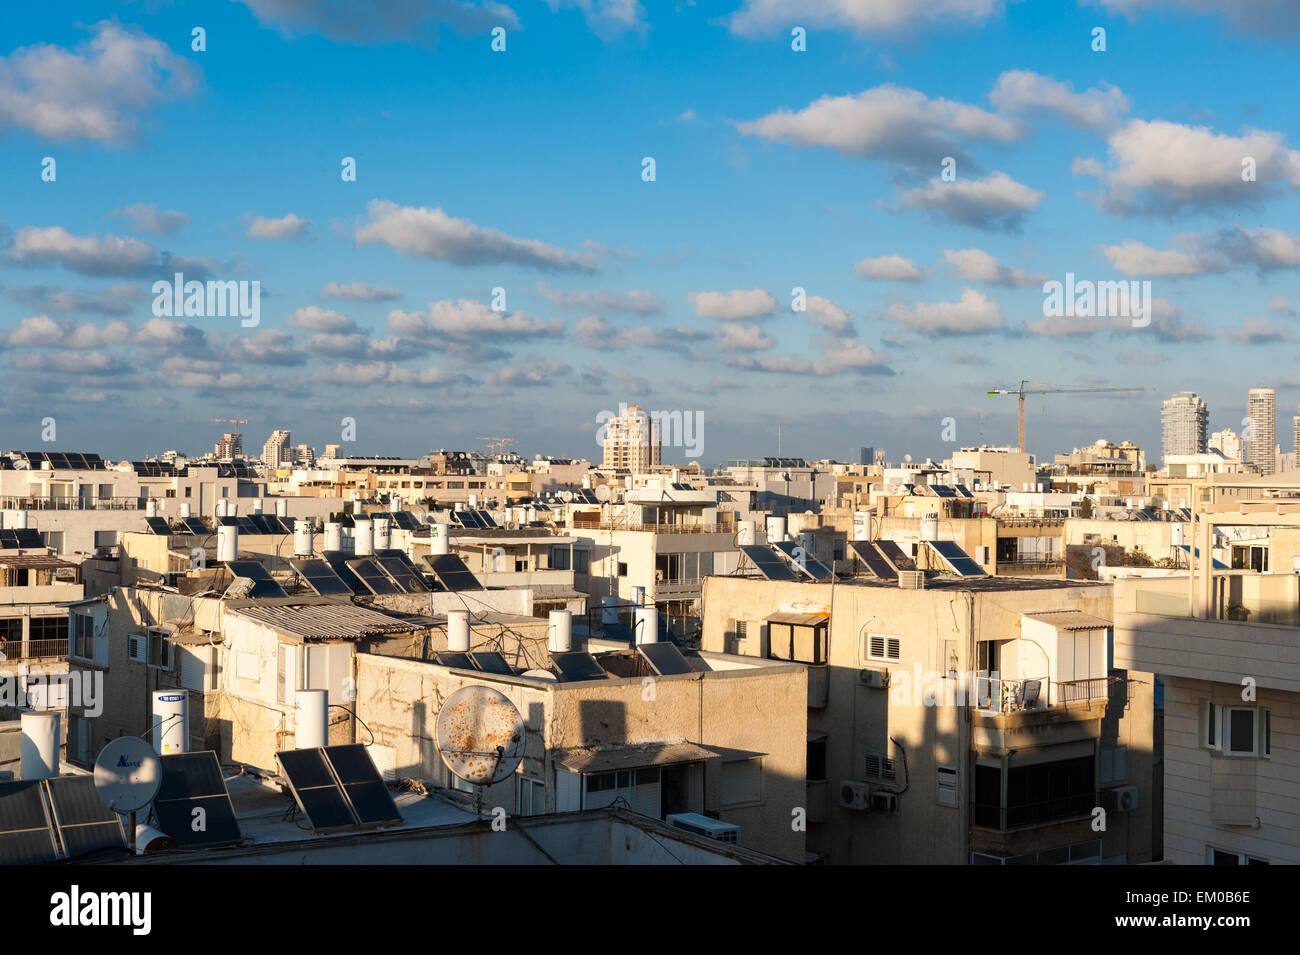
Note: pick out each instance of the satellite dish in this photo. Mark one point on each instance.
(127, 774)
(907, 459)
(602, 493)
(546, 675)
(566, 496)
(480, 735)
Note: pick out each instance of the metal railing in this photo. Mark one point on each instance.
(1011, 696)
(72, 503)
(656, 528)
(13, 650)
(1083, 691)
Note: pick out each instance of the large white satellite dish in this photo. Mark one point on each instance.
(480, 735)
(127, 774)
(602, 493)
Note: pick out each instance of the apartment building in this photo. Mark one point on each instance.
(1184, 421)
(630, 440)
(976, 720)
(277, 450)
(1260, 438)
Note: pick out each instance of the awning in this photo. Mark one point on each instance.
(800, 619)
(585, 760)
(1069, 620)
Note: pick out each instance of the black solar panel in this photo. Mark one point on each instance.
(453, 658)
(768, 562)
(452, 572)
(664, 658)
(320, 577)
(402, 576)
(264, 585)
(957, 559)
(405, 520)
(158, 526)
(894, 554)
(28, 537)
(373, 577)
(190, 776)
(872, 560)
(84, 822)
(230, 520)
(338, 561)
(194, 525)
(8, 539)
(362, 785)
(26, 837)
(489, 661)
(803, 561)
(338, 787)
(486, 519)
(266, 523)
(193, 805)
(573, 667)
(468, 519)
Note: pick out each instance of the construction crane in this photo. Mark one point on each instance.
(1045, 389)
(235, 421)
(497, 446)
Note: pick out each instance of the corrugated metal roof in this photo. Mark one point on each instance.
(322, 620)
(35, 562)
(800, 619)
(584, 760)
(1069, 619)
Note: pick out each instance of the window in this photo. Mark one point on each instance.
(622, 569)
(582, 561)
(83, 636)
(797, 643)
(530, 796)
(881, 647)
(152, 648)
(742, 782)
(741, 629)
(1237, 730)
(816, 765)
(173, 493)
(947, 795)
(1215, 856)
(50, 628)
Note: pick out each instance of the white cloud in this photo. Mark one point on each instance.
(1282, 305)
(735, 305)
(639, 301)
(735, 336)
(1204, 253)
(147, 217)
(995, 202)
(287, 228)
(760, 17)
(1139, 259)
(467, 319)
(432, 234)
(360, 292)
(1258, 331)
(830, 316)
(608, 19)
(1024, 91)
(894, 267)
(95, 92)
(980, 266)
(975, 312)
(408, 21)
(89, 255)
(316, 319)
(1270, 18)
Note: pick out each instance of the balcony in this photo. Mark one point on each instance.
(72, 504)
(597, 525)
(999, 696)
(26, 651)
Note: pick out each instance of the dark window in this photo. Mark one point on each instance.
(1048, 791)
(816, 760)
(988, 796)
(1241, 731)
(50, 628)
(1225, 858)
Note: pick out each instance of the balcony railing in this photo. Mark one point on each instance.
(1011, 696)
(72, 503)
(655, 528)
(14, 650)
(1084, 691)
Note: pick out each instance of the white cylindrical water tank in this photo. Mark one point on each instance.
(223, 509)
(775, 530)
(560, 634)
(930, 527)
(311, 719)
(151, 507)
(257, 505)
(333, 536)
(227, 543)
(808, 542)
(363, 537)
(861, 526)
(394, 503)
(747, 533)
(185, 509)
(302, 537)
(381, 535)
(148, 839)
(627, 483)
(586, 482)
(439, 539)
(18, 521)
(281, 507)
(609, 609)
(171, 717)
(647, 625)
(458, 631)
(39, 747)
(677, 475)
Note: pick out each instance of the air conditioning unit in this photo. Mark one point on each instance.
(884, 802)
(876, 679)
(911, 580)
(704, 826)
(855, 795)
(1124, 799)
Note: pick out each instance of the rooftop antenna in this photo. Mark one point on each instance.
(480, 737)
(778, 439)
(128, 774)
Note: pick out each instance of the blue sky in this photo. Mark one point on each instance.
(522, 170)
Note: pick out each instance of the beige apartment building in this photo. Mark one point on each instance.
(976, 720)
(630, 440)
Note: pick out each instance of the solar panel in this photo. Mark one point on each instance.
(957, 559)
(264, 585)
(664, 658)
(26, 837)
(577, 666)
(338, 561)
(8, 539)
(317, 791)
(194, 525)
(392, 553)
(454, 659)
(157, 525)
(396, 568)
(803, 561)
(83, 821)
(489, 661)
(193, 805)
(266, 523)
(372, 576)
(405, 520)
(872, 559)
(452, 572)
(894, 554)
(362, 785)
(769, 564)
(28, 537)
(488, 520)
(469, 519)
(320, 577)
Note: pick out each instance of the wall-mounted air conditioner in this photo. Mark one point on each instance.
(704, 826)
(876, 679)
(855, 795)
(1123, 799)
(884, 802)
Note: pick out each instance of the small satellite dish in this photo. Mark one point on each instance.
(480, 735)
(907, 459)
(566, 496)
(602, 493)
(127, 774)
(546, 675)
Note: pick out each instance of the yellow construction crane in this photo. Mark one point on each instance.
(1045, 389)
(496, 445)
